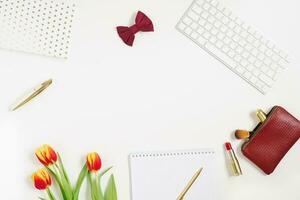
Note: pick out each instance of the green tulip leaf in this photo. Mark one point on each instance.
(41, 198)
(63, 169)
(111, 191)
(58, 180)
(95, 188)
(64, 177)
(80, 180)
(104, 172)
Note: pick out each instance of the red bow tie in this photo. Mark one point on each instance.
(142, 23)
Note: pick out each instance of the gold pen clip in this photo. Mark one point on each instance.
(35, 93)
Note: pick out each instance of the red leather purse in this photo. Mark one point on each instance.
(272, 139)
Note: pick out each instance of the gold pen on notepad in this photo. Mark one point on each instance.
(189, 185)
(33, 94)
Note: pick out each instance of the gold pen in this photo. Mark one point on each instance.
(35, 93)
(189, 185)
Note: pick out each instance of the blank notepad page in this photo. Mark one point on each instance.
(164, 175)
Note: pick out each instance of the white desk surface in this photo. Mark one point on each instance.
(165, 93)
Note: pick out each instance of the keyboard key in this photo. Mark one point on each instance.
(202, 22)
(211, 19)
(248, 47)
(271, 73)
(219, 44)
(181, 26)
(264, 68)
(282, 64)
(224, 29)
(208, 27)
(213, 39)
(231, 25)
(246, 54)
(237, 58)
(269, 53)
(187, 20)
(200, 30)
(237, 29)
(201, 40)
(194, 35)
(250, 39)
(193, 16)
(214, 3)
(206, 35)
(204, 15)
(250, 67)
(233, 45)
(247, 75)
(188, 30)
(225, 49)
(244, 63)
(214, 31)
(231, 53)
(251, 59)
(194, 26)
(213, 11)
(244, 34)
(221, 36)
(230, 33)
(219, 15)
(206, 6)
(258, 63)
(225, 20)
(236, 38)
(267, 61)
(266, 79)
(227, 40)
(229, 62)
(240, 69)
(197, 9)
(256, 72)
(239, 50)
(261, 56)
(217, 24)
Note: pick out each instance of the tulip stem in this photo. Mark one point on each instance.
(50, 194)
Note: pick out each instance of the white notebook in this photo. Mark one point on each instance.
(36, 26)
(164, 175)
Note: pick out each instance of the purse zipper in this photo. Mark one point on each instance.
(259, 127)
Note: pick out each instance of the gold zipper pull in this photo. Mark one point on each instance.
(242, 134)
(262, 116)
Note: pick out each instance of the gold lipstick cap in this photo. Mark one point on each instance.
(261, 115)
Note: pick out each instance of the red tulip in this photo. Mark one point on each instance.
(93, 162)
(41, 179)
(46, 155)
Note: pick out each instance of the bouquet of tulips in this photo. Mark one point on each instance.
(54, 168)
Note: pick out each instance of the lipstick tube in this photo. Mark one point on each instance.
(233, 161)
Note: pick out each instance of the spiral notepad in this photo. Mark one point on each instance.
(163, 175)
(36, 26)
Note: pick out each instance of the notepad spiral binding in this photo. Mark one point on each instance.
(170, 154)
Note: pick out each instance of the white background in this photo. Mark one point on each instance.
(165, 93)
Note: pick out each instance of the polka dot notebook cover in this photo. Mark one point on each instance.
(36, 26)
(164, 175)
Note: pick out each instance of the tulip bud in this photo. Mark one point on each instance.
(41, 179)
(93, 162)
(46, 155)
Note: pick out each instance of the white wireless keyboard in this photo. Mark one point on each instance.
(238, 46)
